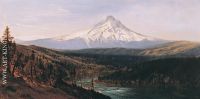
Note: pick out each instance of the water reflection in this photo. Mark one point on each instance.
(145, 93)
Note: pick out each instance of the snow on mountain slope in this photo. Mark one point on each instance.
(112, 30)
(109, 33)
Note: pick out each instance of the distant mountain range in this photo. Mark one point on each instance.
(171, 49)
(109, 33)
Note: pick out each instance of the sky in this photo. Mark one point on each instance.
(37, 19)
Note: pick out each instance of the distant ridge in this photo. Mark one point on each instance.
(171, 49)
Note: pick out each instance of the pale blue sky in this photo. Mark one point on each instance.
(168, 19)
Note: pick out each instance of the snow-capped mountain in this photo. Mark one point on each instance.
(109, 33)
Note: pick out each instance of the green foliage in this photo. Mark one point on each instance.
(181, 71)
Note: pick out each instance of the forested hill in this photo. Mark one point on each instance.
(39, 67)
(171, 49)
(46, 65)
(172, 71)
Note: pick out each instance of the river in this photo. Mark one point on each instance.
(144, 93)
(116, 92)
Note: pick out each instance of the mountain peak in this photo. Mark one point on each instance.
(110, 22)
(108, 33)
(110, 18)
(112, 30)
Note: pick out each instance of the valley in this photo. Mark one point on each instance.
(109, 61)
(112, 74)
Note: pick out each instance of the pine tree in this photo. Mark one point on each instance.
(7, 40)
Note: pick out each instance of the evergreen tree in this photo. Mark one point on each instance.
(7, 40)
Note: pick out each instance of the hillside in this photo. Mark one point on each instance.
(177, 48)
(59, 71)
(18, 89)
(172, 49)
(172, 71)
(49, 64)
(41, 69)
